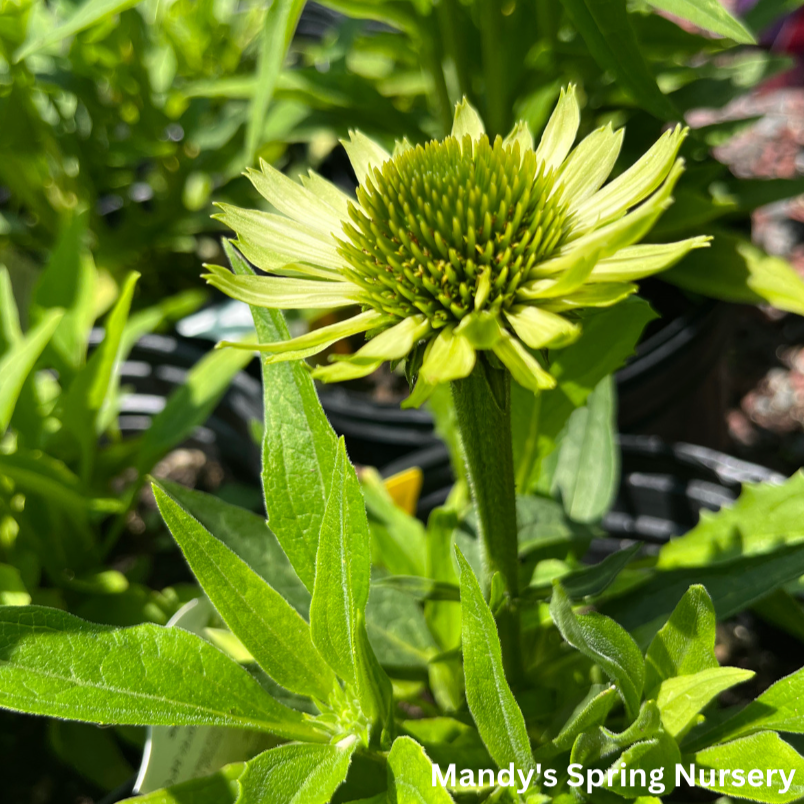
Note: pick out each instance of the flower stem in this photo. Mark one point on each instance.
(483, 407)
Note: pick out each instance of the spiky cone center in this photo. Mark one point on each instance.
(451, 228)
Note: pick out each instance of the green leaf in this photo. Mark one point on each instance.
(601, 743)
(591, 712)
(295, 774)
(763, 750)
(68, 283)
(603, 641)
(410, 776)
(588, 581)
(54, 664)
(735, 270)
(267, 625)
(587, 474)
(157, 315)
(778, 708)
(607, 339)
(643, 610)
(12, 589)
(10, 330)
(342, 571)
(94, 386)
(685, 644)
(247, 535)
(298, 442)
(398, 631)
(660, 751)
(86, 15)
(18, 362)
(766, 12)
(420, 588)
(608, 34)
(280, 24)
(764, 517)
(190, 405)
(709, 15)
(681, 698)
(491, 702)
(217, 788)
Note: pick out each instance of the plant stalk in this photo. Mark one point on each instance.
(483, 408)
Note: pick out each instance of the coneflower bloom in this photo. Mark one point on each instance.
(458, 246)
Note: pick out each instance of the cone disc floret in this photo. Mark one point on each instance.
(452, 227)
(458, 247)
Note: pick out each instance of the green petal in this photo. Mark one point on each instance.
(421, 393)
(524, 368)
(448, 357)
(364, 154)
(578, 266)
(541, 329)
(311, 343)
(281, 293)
(328, 193)
(602, 295)
(280, 235)
(623, 232)
(590, 164)
(482, 329)
(344, 370)
(467, 121)
(561, 130)
(521, 134)
(274, 263)
(637, 262)
(394, 343)
(294, 200)
(633, 186)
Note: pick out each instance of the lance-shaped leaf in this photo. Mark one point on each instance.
(267, 625)
(94, 385)
(246, 534)
(295, 774)
(604, 642)
(410, 776)
(778, 708)
(709, 15)
(681, 698)
(18, 362)
(342, 571)
(764, 750)
(608, 34)
(216, 788)
(298, 443)
(491, 702)
(685, 644)
(87, 14)
(54, 664)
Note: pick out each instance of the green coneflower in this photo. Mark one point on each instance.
(458, 246)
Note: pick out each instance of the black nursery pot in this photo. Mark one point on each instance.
(663, 488)
(675, 385)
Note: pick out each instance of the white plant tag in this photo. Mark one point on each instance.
(175, 754)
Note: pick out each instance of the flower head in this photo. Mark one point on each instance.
(459, 246)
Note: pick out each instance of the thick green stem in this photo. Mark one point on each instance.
(483, 407)
(493, 49)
